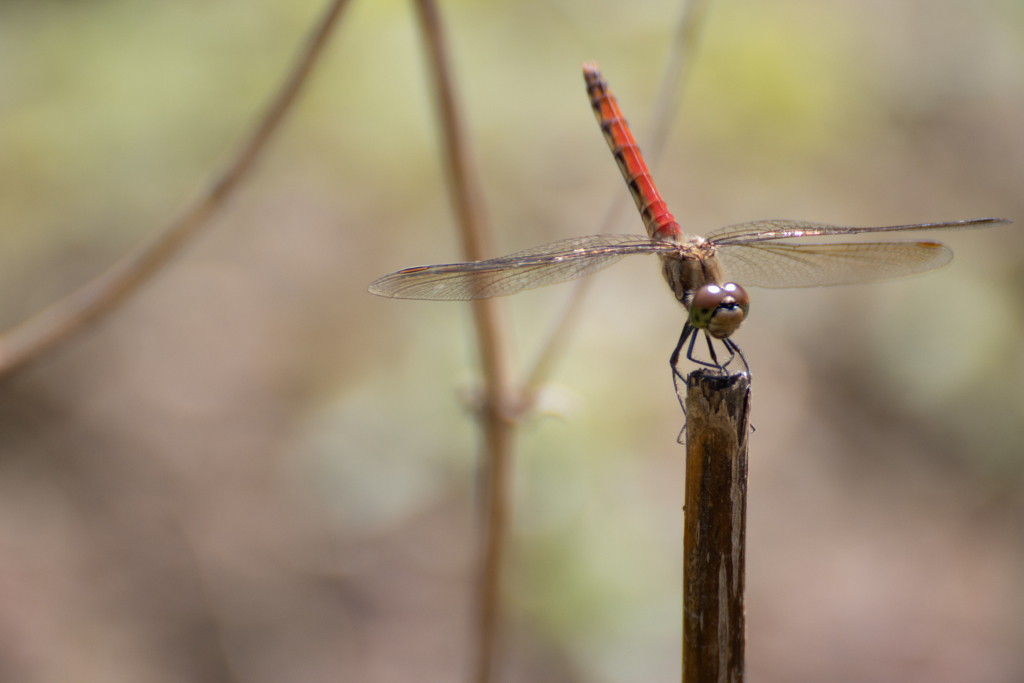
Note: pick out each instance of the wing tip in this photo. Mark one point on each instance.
(377, 289)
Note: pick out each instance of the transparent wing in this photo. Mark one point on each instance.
(547, 265)
(761, 231)
(774, 264)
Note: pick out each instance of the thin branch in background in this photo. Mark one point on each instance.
(677, 75)
(673, 85)
(497, 411)
(92, 301)
(213, 620)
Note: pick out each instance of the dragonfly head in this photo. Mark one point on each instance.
(719, 309)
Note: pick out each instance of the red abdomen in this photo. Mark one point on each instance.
(660, 224)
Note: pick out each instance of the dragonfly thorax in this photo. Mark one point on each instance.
(690, 267)
(719, 310)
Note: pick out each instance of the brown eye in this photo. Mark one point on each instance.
(710, 296)
(738, 293)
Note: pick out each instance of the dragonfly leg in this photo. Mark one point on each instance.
(690, 334)
(688, 331)
(711, 350)
(714, 358)
(674, 360)
(735, 350)
(730, 347)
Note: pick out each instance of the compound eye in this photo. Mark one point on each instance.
(710, 297)
(738, 294)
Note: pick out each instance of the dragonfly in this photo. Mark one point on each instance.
(758, 253)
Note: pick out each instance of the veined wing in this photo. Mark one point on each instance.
(762, 231)
(779, 264)
(546, 265)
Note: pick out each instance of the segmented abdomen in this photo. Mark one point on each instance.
(659, 222)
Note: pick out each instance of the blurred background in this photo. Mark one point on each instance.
(255, 471)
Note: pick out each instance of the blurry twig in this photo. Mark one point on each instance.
(677, 75)
(90, 302)
(214, 621)
(673, 84)
(497, 411)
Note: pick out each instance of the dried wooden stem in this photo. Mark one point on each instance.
(102, 295)
(714, 536)
(497, 411)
